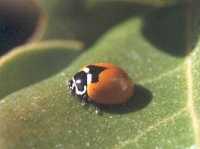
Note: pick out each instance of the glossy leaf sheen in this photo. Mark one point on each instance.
(163, 113)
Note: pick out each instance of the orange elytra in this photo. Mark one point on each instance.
(102, 83)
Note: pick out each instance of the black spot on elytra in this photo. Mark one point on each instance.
(95, 71)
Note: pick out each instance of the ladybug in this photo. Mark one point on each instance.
(102, 84)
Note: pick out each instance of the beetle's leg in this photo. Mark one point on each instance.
(84, 99)
(72, 91)
(97, 109)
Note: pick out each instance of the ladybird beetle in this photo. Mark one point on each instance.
(102, 83)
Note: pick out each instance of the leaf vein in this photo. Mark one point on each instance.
(190, 101)
(122, 144)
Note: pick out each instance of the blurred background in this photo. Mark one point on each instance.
(23, 21)
(44, 42)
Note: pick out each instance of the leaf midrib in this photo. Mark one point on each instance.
(189, 74)
(190, 101)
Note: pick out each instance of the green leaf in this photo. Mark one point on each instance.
(163, 113)
(32, 63)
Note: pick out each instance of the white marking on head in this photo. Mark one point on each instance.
(86, 70)
(78, 81)
(81, 92)
(76, 88)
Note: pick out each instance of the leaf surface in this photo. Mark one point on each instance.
(163, 113)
